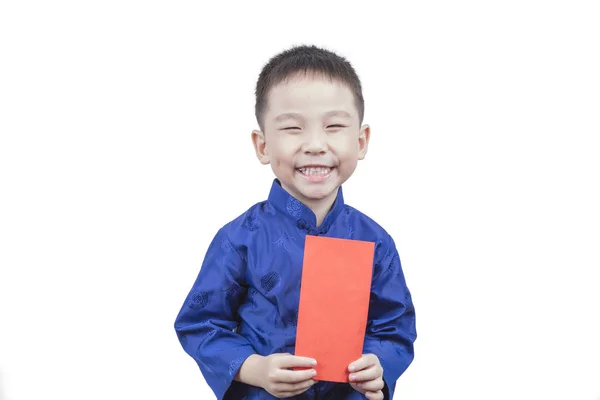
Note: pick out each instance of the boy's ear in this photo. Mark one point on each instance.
(260, 146)
(363, 141)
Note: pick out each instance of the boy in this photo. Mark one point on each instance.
(239, 319)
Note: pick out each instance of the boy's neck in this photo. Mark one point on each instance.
(321, 209)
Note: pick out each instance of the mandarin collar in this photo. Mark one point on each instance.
(303, 216)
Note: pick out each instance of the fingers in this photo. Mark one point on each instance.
(368, 374)
(290, 361)
(287, 376)
(375, 395)
(294, 389)
(366, 361)
(371, 386)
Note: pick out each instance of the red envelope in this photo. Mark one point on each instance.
(334, 304)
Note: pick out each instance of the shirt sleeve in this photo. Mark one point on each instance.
(391, 328)
(207, 322)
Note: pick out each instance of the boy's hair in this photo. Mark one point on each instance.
(306, 59)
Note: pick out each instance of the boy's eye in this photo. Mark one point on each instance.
(336, 126)
(290, 128)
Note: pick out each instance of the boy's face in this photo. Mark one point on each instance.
(312, 137)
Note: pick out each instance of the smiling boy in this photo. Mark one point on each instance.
(239, 320)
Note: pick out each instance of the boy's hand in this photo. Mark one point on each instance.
(366, 376)
(278, 378)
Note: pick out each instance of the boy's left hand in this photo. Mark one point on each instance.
(366, 376)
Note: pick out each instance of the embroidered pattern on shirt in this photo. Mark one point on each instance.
(231, 290)
(252, 292)
(391, 266)
(269, 281)
(235, 365)
(269, 209)
(284, 240)
(251, 223)
(350, 232)
(293, 207)
(226, 245)
(211, 332)
(293, 318)
(199, 300)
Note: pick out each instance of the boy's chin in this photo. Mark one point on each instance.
(309, 191)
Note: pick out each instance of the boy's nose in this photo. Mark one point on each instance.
(316, 142)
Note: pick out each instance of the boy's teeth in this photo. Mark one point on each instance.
(315, 171)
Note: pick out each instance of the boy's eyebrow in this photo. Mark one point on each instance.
(334, 113)
(285, 116)
(338, 113)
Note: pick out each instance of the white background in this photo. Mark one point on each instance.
(125, 144)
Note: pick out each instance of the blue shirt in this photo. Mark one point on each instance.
(245, 298)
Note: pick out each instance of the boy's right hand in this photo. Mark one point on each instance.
(278, 378)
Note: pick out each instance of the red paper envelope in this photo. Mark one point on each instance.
(334, 304)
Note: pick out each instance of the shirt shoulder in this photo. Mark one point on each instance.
(245, 226)
(367, 229)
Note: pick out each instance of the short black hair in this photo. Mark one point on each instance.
(307, 59)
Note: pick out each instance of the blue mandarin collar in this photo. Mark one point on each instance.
(303, 216)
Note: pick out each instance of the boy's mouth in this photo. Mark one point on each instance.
(315, 170)
(315, 173)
